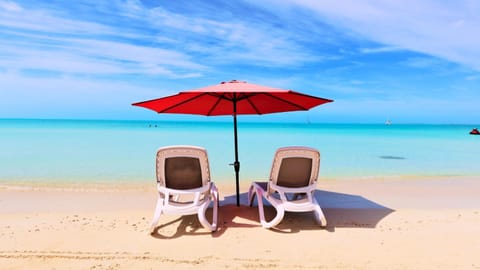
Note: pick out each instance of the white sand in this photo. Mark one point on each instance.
(415, 223)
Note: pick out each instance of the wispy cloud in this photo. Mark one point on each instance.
(383, 49)
(10, 6)
(473, 77)
(227, 38)
(39, 40)
(422, 62)
(443, 29)
(146, 40)
(20, 18)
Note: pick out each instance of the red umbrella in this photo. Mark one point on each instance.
(233, 98)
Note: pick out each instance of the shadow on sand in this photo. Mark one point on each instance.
(181, 226)
(341, 211)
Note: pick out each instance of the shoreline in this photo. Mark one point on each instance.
(421, 223)
(142, 184)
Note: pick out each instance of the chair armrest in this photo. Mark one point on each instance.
(306, 189)
(184, 191)
(214, 191)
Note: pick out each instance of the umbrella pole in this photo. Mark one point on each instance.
(236, 164)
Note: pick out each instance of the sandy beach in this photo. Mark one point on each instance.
(400, 223)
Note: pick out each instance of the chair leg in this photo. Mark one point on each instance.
(261, 212)
(251, 195)
(203, 218)
(276, 220)
(156, 216)
(216, 205)
(215, 214)
(319, 216)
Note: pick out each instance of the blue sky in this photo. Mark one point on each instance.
(408, 61)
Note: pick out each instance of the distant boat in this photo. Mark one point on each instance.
(388, 122)
(474, 132)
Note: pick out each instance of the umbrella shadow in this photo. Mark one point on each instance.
(232, 216)
(344, 210)
(341, 210)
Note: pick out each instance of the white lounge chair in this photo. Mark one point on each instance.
(291, 187)
(184, 186)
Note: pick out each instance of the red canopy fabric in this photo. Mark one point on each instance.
(218, 100)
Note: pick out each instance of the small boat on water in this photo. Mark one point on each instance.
(474, 132)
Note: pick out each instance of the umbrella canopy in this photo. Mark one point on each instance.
(233, 98)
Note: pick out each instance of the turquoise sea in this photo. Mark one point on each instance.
(124, 151)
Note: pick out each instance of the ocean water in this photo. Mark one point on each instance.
(124, 151)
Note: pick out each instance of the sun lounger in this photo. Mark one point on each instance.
(291, 187)
(184, 185)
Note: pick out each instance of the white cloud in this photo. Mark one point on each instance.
(170, 44)
(41, 20)
(99, 57)
(380, 49)
(472, 77)
(445, 29)
(227, 40)
(10, 6)
(423, 62)
(41, 41)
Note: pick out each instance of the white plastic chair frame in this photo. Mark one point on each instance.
(169, 198)
(302, 198)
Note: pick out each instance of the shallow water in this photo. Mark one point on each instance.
(103, 151)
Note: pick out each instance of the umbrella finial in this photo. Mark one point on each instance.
(237, 81)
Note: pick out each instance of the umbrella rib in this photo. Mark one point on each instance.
(181, 103)
(253, 105)
(237, 98)
(233, 99)
(220, 97)
(286, 101)
(246, 96)
(305, 95)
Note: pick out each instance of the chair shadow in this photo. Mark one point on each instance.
(189, 225)
(340, 209)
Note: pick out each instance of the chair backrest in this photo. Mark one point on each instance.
(295, 166)
(182, 167)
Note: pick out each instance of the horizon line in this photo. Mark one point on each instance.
(228, 122)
